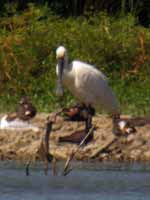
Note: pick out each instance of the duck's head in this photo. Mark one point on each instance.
(125, 127)
(60, 56)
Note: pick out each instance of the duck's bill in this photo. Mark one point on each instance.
(59, 90)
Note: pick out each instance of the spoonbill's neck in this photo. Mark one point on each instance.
(66, 63)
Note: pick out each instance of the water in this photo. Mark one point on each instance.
(87, 181)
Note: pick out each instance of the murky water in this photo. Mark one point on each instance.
(87, 181)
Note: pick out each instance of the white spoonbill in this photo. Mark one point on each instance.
(88, 84)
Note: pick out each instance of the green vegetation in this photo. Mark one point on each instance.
(116, 45)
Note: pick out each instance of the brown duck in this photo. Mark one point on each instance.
(78, 113)
(25, 109)
(77, 137)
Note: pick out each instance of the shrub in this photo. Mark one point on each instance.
(117, 46)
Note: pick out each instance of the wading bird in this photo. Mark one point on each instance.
(88, 84)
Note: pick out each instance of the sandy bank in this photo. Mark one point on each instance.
(22, 145)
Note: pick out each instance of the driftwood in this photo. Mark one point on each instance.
(43, 149)
(104, 145)
(138, 121)
(66, 171)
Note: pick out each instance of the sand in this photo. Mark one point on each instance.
(25, 145)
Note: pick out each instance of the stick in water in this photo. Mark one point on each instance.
(27, 168)
(44, 146)
(70, 158)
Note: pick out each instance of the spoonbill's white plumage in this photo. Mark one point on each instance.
(88, 84)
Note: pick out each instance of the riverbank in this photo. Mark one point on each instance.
(24, 145)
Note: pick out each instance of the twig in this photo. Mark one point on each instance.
(54, 171)
(45, 144)
(30, 161)
(27, 167)
(43, 149)
(70, 158)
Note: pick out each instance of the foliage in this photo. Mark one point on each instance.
(87, 8)
(117, 46)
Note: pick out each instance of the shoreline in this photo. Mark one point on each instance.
(25, 145)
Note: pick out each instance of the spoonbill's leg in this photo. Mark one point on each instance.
(88, 122)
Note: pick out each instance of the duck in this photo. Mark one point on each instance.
(25, 110)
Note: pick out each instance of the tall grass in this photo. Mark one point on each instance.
(117, 46)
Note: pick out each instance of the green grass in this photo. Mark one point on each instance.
(114, 45)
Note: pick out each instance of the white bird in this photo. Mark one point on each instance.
(88, 84)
